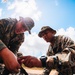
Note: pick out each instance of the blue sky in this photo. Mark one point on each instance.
(55, 13)
(58, 14)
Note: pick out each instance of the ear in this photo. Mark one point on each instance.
(53, 33)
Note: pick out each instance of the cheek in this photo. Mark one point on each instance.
(46, 38)
(18, 26)
(50, 35)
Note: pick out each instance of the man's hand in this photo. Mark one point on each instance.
(50, 61)
(10, 60)
(30, 61)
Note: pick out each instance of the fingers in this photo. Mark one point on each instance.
(16, 70)
(24, 59)
(50, 62)
(29, 61)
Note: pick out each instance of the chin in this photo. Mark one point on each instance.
(46, 40)
(16, 32)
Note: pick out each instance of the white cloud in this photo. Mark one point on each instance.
(24, 8)
(36, 46)
(68, 32)
(0, 12)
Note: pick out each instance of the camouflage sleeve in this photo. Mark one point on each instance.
(67, 44)
(2, 45)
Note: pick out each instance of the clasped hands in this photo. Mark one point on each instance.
(30, 61)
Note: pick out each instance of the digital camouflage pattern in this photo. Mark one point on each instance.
(8, 38)
(62, 45)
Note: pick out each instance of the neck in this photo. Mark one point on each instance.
(52, 41)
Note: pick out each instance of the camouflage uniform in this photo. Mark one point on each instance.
(8, 38)
(62, 43)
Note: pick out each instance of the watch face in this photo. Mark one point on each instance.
(43, 57)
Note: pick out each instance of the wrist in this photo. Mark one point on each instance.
(43, 60)
(40, 63)
(56, 60)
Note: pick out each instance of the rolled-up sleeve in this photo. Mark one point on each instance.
(2, 45)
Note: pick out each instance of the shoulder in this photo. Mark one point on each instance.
(11, 20)
(3, 21)
(7, 21)
(63, 37)
(66, 39)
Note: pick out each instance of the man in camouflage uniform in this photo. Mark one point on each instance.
(11, 38)
(60, 55)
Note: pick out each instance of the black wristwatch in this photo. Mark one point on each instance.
(43, 60)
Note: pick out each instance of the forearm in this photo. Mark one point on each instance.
(9, 58)
(4, 52)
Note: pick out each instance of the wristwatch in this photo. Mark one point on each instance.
(43, 60)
